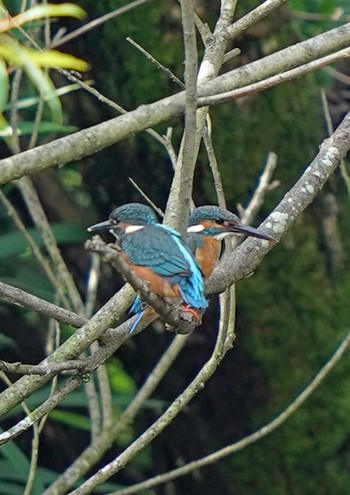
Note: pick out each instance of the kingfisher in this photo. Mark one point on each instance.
(157, 254)
(208, 226)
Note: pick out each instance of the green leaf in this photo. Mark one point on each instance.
(45, 127)
(48, 10)
(16, 458)
(4, 86)
(10, 488)
(53, 58)
(14, 53)
(80, 421)
(13, 243)
(5, 341)
(34, 100)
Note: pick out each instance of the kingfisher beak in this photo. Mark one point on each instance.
(100, 227)
(249, 231)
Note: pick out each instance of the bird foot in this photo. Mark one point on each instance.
(193, 312)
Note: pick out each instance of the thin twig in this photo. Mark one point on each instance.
(231, 54)
(147, 198)
(154, 61)
(43, 369)
(41, 260)
(253, 17)
(18, 297)
(250, 439)
(264, 185)
(274, 80)
(221, 347)
(97, 22)
(219, 188)
(39, 217)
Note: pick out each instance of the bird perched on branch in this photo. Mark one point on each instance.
(208, 226)
(158, 255)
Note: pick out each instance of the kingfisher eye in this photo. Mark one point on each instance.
(219, 221)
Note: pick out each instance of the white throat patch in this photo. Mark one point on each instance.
(195, 228)
(223, 235)
(130, 229)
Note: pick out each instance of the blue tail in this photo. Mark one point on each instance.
(136, 322)
(136, 308)
(192, 287)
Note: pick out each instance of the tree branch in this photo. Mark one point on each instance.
(248, 440)
(94, 139)
(249, 254)
(223, 344)
(19, 297)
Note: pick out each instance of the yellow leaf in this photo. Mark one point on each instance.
(41, 11)
(53, 58)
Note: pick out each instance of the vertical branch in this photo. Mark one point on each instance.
(181, 189)
(187, 157)
(165, 419)
(102, 375)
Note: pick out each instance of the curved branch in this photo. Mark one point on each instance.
(248, 440)
(243, 260)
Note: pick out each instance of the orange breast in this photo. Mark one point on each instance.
(158, 284)
(208, 255)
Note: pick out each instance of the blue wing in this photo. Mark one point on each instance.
(157, 249)
(163, 250)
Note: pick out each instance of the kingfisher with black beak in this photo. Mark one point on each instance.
(158, 255)
(208, 226)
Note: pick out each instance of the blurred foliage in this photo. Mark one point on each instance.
(14, 52)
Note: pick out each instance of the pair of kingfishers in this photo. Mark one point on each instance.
(172, 266)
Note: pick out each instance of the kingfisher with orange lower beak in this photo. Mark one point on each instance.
(208, 226)
(158, 255)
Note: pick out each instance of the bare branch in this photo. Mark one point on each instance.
(95, 451)
(179, 199)
(249, 254)
(221, 347)
(154, 61)
(43, 369)
(96, 138)
(275, 80)
(91, 364)
(264, 185)
(97, 22)
(77, 343)
(253, 17)
(250, 439)
(19, 297)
